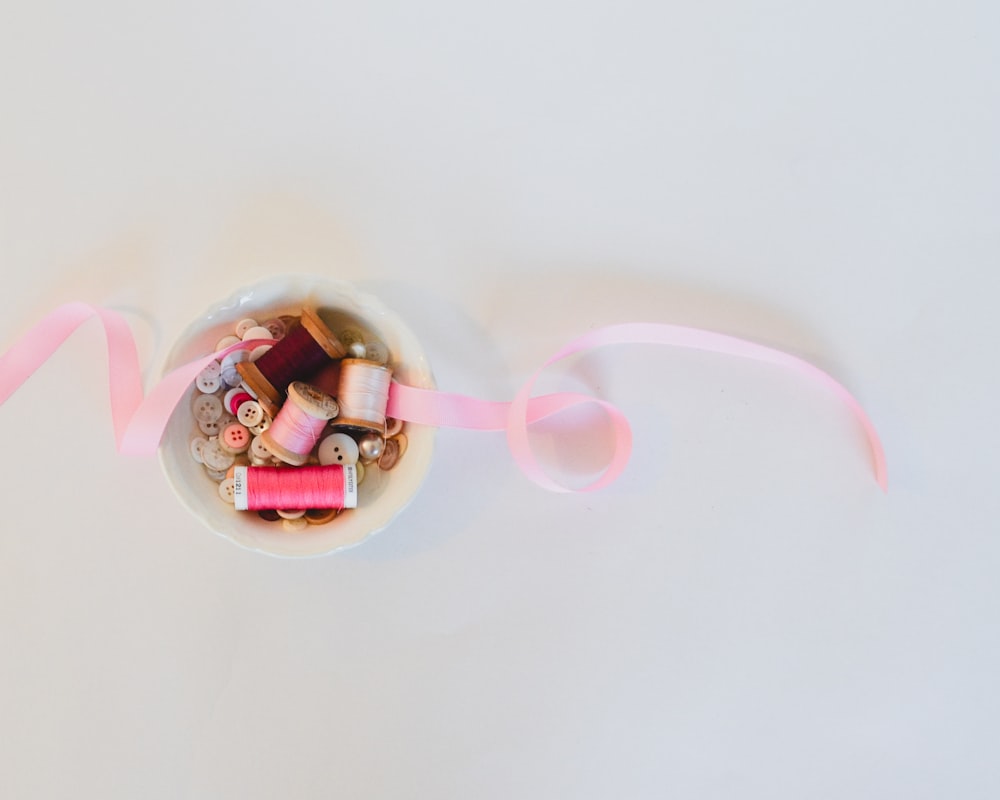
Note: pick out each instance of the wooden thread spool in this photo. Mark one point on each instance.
(305, 349)
(363, 395)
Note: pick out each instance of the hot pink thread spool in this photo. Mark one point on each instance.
(297, 428)
(363, 394)
(277, 488)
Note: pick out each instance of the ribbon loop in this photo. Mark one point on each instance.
(139, 423)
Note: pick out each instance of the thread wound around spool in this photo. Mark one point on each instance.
(324, 337)
(363, 410)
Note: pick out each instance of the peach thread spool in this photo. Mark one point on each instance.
(304, 349)
(363, 394)
(298, 425)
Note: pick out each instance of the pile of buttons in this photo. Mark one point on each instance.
(230, 419)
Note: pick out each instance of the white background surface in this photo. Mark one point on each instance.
(743, 615)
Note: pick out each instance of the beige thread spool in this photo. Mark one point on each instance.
(363, 395)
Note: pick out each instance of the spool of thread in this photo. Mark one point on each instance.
(276, 488)
(303, 351)
(363, 394)
(299, 423)
(328, 378)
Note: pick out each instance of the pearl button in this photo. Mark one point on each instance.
(370, 446)
(338, 448)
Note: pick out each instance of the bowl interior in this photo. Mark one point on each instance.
(382, 495)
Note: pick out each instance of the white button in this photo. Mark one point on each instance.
(277, 328)
(207, 408)
(250, 413)
(377, 352)
(227, 490)
(208, 380)
(256, 332)
(229, 373)
(338, 448)
(293, 513)
(216, 458)
(216, 474)
(197, 445)
(244, 325)
(226, 341)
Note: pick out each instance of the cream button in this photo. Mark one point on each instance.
(359, 471)
(197, 446)
(294, 513)
(207, 408)
(265, 423)
(259, 454)
(216, 458)
(227, 490)
(250, 413)
(226, 341)
(244, 325)
(377, 352)
(294, 525)
(338, 448)
(256, 332)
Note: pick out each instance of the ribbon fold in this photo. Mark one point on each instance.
(139, 422)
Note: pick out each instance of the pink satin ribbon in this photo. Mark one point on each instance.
(139, 423)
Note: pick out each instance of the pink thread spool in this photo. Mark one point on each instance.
(297, 428)
(277, 488)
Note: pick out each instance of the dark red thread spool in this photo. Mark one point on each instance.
(306, 348)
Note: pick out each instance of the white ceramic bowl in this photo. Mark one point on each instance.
(382, 495)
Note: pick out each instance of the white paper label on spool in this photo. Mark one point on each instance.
(350, 486)
(240, 488)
